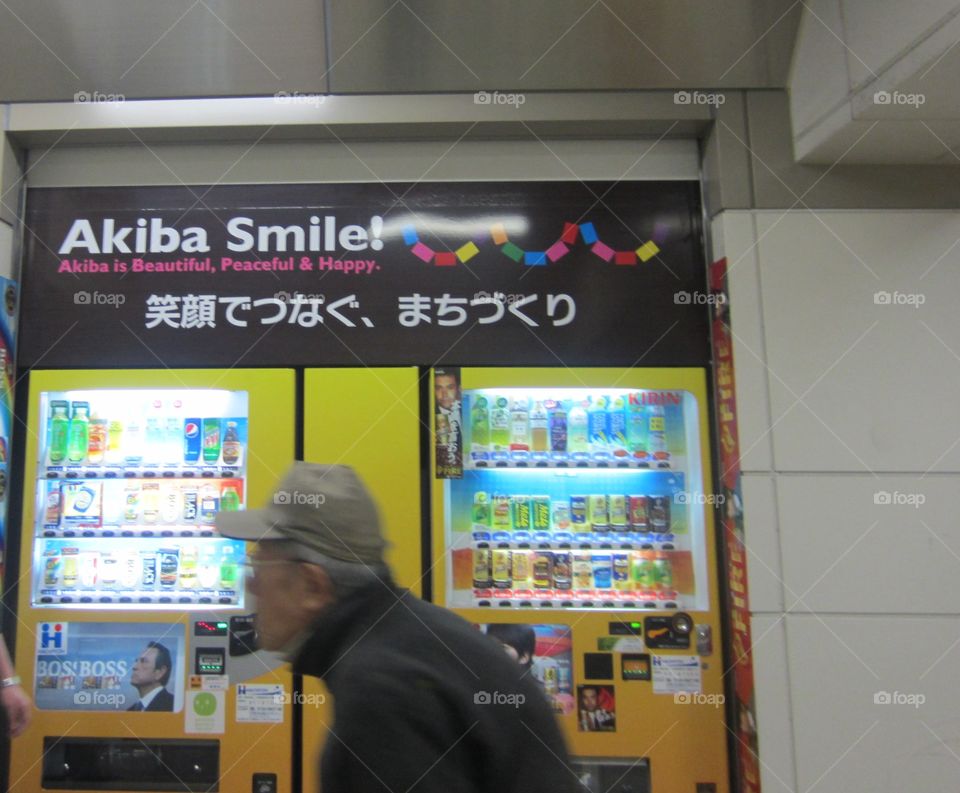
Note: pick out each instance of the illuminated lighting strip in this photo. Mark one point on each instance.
(554, 253)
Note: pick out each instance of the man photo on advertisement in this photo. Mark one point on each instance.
(596, 710)
(421, 699)
(446, 392)
(150, 675)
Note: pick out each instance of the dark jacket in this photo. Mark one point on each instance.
(424, 702)
(161, 702)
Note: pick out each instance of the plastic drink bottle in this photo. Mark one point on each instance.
(480, 424)
(228, 569)
(232, 447)
(59, 428)
(211, 440)
(114, 451)
(172, 433)
(577, 429)
(657, 436)
(188, 567)
(558, 427)
(538, 428)
(500, 424)
(617, 426)
(133, 441)
(520, 425)
(191, 440)
(97, 440)
(229, 499)
(79, 434)
(598, 424)
(209, 570)
(636, 427)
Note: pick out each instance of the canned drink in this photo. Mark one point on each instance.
(191, 505)
(618, 513)
(578, 513)
(169, 567)
(660, 513)
(643, 572)
(621, 571)
(561, 570)
(51, 568)
(481, 568)
(662, 571)
(541, 513)
(543, 569)
(638, 513)
(522, 517)
(599, 518)
(561, 516)
(522, 572)
(502, 572)
(501, 513)
(601, 571)
(582, 571)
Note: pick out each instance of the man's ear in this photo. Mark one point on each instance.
(317, 587)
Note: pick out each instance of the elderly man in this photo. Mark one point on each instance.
(422, 700)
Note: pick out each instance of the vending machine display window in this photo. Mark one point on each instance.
(578, 499)
(128, 485)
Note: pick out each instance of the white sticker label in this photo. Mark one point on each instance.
(205, 711)
(673, 674)
(260, 702)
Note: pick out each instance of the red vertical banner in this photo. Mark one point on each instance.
(731, 525)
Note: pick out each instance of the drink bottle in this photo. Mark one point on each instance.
(599, 429)
(520, 425)
(59, 429)
(657, 437)
(636, 427)
(558, 427)
(232, 448)
(617, 426)
(79, 433)
(97, 440)
(538, 428)
(114, 450)
(480, 424)
(578, 439)
(191, 440)
(500, 424)
(228, 569)
(229, 499)
(133, 441)
(211, 440)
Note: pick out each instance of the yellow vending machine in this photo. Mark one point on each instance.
(368, 418)
(573, 518)
(135, 633)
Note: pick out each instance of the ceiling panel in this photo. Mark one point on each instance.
(435, 45)
(56, 49)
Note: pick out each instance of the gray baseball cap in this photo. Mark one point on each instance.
(325, 508)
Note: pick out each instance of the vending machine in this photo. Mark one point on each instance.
(135, 633)
(573, 518)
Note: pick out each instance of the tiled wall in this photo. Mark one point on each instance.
(847, 353)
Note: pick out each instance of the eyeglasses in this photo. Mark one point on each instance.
(251, 564)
